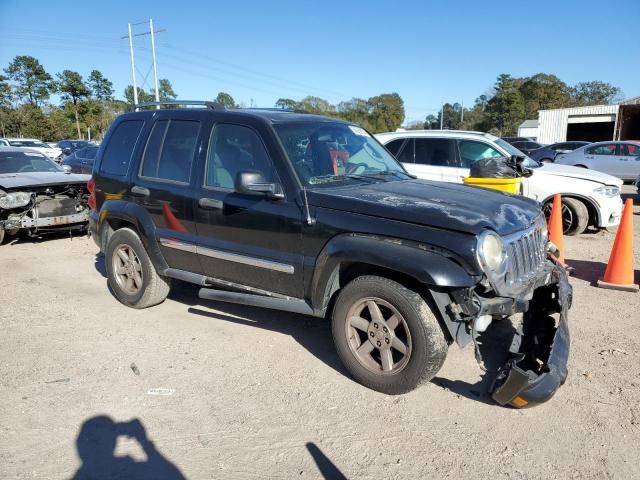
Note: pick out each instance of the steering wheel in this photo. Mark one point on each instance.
(351, 168)
(27, 168)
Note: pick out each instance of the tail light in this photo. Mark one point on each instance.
(91, 186)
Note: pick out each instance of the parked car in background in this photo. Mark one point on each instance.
(70, 146)
(527, 147)
(549, 153)
(621, 159)
(81, 161)
(37, 195)
(589, 198)
(228, 200)
(34, 144)
(517, 139)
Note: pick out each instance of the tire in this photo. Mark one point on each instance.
(580, 216)
(575, 216)
(150, 288)
(1, 235)
(417, 329)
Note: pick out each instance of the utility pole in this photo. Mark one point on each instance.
(155, 67)
(442, 117)
(152, 33)
(461, 114)
(133, 68)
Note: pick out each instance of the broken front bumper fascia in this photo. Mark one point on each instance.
(25, 222)
(537, 365)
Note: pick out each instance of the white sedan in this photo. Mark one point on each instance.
(590, 198)
(34, 144)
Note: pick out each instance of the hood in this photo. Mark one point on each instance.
(578, 172)
(38, 179)
(448, 206)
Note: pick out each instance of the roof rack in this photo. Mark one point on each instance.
(199, 103)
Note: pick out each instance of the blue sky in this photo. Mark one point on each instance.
(427, 51)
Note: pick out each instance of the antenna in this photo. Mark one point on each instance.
(309, 220)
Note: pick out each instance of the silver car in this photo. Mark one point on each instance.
(621, 159)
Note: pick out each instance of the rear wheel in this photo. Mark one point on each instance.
(386, 335)
(131, 275)
(575, 215)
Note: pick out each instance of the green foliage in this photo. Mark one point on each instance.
(71, 86)
(286, 103)
(595, 93)
(165, 90)
(142, 95)
(30, 80)
(542, 92)
(101, 87)
(225, 99)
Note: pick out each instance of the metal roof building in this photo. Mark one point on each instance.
(592, 123)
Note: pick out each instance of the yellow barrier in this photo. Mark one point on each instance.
(509, 185)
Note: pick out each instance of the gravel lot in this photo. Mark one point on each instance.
(226, 391)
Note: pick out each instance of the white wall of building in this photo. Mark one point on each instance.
(529, 132)
(553, 123)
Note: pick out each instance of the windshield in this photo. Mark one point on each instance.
(27, 143)
(22, 162)
(327, 152)
(528, 162)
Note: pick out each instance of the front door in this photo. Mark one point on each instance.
(249, 240)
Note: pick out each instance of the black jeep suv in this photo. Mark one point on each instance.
(312, 215)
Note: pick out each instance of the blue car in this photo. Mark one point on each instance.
(549, 153)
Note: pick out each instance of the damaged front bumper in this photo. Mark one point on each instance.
(537, 364)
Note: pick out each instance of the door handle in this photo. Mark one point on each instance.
(140, 191)
(210, 204)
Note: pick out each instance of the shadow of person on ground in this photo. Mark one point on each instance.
(327, 469)
(494, 346)
(96, 444)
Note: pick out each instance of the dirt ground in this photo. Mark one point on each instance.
(225, 391)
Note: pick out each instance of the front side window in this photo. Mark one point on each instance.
(471, 152)
(170, 150)
(26, 162)
(327, 152)
(87, 153)
(234, 149)
(606, 149)
(435, 151)
(117, 154)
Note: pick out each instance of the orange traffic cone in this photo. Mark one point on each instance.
(619, 273)
(555, 227)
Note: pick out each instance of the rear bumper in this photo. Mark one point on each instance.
(539, 354)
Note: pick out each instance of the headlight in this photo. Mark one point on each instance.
(15, 200)
(608, 191)
(491, 252)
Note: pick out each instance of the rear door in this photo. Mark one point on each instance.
(438, 155)
(163, 182)
(630, 158)
(249, 240)
(407, 156)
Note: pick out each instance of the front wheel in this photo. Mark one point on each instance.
(386, 335)
(575, 216)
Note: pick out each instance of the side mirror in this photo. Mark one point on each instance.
(66, 168)
(254, 183)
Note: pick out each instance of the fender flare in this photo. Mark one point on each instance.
(431, 266)
(139, 218)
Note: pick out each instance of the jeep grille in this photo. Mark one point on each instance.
(526, 253)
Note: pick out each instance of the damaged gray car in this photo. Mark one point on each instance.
(39, 196)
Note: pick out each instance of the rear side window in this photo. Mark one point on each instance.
(394, 146)
(631, 149)
(406, 154)
(117, 154)
(170, 150)
(435, 151)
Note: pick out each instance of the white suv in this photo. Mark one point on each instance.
(589, 197)
(33, 143)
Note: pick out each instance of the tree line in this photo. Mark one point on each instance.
(513, 100)
(26, 88)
